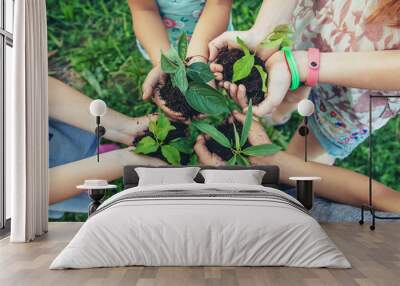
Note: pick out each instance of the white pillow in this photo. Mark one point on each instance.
(247, 177)
(166, 176)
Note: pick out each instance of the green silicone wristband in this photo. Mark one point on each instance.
(293, 68)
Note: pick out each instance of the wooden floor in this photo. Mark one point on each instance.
(375, 257)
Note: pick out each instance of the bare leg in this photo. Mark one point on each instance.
(315, 151)
(65, 178)
(337, 184)
(355, 189)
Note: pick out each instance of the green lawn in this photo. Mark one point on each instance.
(92, 47)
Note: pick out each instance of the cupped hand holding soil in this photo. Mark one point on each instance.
(210, 152)
(279, 80)
(173, 102)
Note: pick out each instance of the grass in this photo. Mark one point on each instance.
(92, 47)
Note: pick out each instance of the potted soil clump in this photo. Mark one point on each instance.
(229, 140)
(240, 66)
(186, 90)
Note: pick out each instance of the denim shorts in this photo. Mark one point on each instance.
(333, 148)
(68, 144)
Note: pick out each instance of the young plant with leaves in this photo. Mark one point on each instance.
(158, 142)
(192, 80)
(242, 68)
(237, 146)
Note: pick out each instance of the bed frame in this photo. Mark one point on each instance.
(271, 177)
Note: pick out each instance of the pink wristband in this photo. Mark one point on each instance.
(313, 67)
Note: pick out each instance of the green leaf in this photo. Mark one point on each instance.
(242, 67)
(146, 145)
(200, 72)
(242, 160)
(167, 65)
(247, 124)
(232, 161)
(171, 154)
(163, 127)
(284, 28)
(206, 99)
(264, 76)
(182, 145)
(261, 150)
(179, 80)
(243, 46)
(271, 44)
(213, 132)
(153, 126)
(286, 42)
(182, 46)
(194, 160)
(173, 56)
(237, 139)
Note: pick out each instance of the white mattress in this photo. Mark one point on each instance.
(189, 231)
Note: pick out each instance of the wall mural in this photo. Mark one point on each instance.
(175, 107)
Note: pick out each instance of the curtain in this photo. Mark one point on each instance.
(27, 118)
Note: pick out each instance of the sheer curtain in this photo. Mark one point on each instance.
(27, 122)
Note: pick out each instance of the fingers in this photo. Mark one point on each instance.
(276, 93)
(216, 45)
(148, 85)
(257, 134)
(155, 77)
(214, 67)
(241, 96)
(205, 157)
(217, 69)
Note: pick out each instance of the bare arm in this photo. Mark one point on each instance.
(337, 184)
(70, 106)
(65, 178)
(272, 13)
(149, 28)
(377, 70)
(213, 21)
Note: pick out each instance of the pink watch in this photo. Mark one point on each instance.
(313, 67)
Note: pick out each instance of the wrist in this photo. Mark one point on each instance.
(257, 37)
(301, 59)
(197, 59)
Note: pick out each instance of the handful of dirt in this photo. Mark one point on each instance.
(253, 83)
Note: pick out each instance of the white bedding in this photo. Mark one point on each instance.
(183, 231)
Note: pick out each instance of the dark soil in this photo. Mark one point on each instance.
(227, 129)
(180, 131)
(253, 82)
(175, 100)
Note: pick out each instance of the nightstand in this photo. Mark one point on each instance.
(305, 192)
(96, 190)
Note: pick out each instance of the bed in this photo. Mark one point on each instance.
(201, 224)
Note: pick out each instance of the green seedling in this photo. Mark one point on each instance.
(279, 37)
(170, 150)
(192, 80)
(240, 153)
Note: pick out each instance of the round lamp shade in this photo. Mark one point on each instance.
(305, 107)
(98, 107)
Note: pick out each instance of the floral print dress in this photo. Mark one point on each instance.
(179, 16)
(340, 121)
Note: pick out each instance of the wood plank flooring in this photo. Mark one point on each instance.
(375, 257)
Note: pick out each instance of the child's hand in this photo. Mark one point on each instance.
(161, 103)
(228, 39)
(257, 136)
(279, 101)
(154, 77)
(131, 128)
